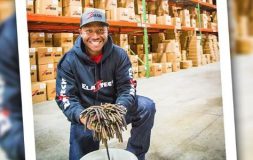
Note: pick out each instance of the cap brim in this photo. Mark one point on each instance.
(101, 22)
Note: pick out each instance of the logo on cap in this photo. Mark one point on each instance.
(93, 14)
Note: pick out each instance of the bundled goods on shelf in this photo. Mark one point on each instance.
(111, 9)
(164, 19)
(144, 59)
(195, 50)
(72, 8)
(155, 69)
(185, 64)
(121, 40)
(141, 71)
(210, 46)
(185, 18)
(152, 19)
(166, 67)
(152, 7)
(172, 34)
(29, 6)
(46, 7)
(101, 4)
(176, 21)
(59, 8)
(138, 7)
(162, 8)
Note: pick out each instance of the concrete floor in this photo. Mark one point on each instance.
(188, 124)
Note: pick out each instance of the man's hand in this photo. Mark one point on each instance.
(83, 121)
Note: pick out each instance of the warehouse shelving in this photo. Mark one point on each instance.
(53, 24)
(47, 23)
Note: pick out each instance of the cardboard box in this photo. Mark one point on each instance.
(123, 14)
(99, 4)
(60, 3)
(135, 72)
(176, 21)
(186, 64)
(161, 57)
(134, 60)
(160, 48)
(164, 20)
(171, 57)
(175, 66)
(111, 4)
(77, 3)
(193, 23)
(49, 39)
(33, 72)
(46, 72)
(45, 55)
(139, 49)
(66, 49)
(32, 56)
(51, 89)
(141, 71)
(30, 6)
(87, 4)
(156, 69)
(152, 18)
(63, 39)
(172, 46)
(55, 70)
(37, 39)
(166, 67)
(47, 7)
(155, 58)
(143, 58)
(59, 11)
(57, 54)
(72, 11)
(39, 92)
(138, 6)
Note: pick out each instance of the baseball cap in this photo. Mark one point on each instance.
(93, 15)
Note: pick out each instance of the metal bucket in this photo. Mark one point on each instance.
(115, 154)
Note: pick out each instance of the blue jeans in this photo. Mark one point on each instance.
(142, 118)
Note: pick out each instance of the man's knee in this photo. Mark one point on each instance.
(148, 105)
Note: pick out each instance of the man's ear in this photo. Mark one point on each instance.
(80, 31)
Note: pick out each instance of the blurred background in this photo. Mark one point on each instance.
(241, 42)
(11, 123)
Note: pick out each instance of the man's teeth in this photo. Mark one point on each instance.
(95, 42)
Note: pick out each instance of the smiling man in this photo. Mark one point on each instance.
(96, 71)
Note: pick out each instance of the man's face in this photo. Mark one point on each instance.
(94, 37)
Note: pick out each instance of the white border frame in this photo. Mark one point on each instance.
(225, 66)
(226, 80)
(25, 79)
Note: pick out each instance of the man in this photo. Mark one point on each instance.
(96, 71)
(11, 122)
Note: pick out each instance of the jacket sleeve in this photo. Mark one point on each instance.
(67, 92)
(124, 82)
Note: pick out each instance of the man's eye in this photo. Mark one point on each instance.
(100, 30)
(88, 31)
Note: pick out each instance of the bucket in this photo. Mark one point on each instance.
(115, 154)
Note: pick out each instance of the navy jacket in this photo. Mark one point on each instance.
(82, 83)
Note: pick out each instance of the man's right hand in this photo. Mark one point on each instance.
(83, 121)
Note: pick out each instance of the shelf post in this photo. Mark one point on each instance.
(145, 39)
